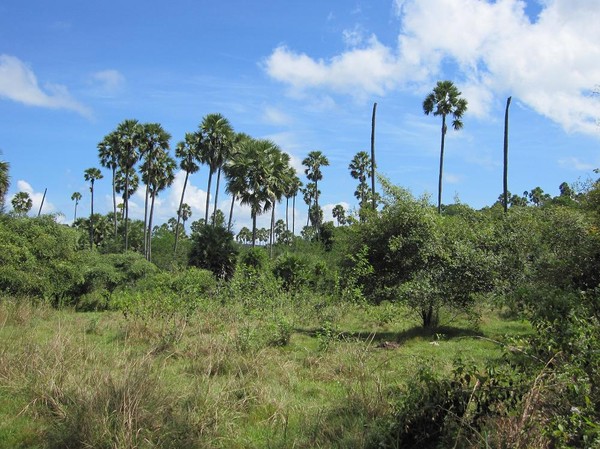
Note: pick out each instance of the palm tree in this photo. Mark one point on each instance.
(154, 142)
(445, 100)
(309, 192)
(313, 163)
(108, 152)
(160, 176)
(185, 212)
(4, 181)
(91, 175)
(257, 173)
(129, 133)
(134, 183)
(217, 135)
(339, 214)
(77, 198)
(21, 203)
(277, 181)
(234, 169)
(359, 167)
(188, 151)
(294, 188)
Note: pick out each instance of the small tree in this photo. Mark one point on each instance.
(21, 203)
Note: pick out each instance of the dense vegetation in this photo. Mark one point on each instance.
(406, 325)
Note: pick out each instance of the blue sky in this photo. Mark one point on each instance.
(304, 74)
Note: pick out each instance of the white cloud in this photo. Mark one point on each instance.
(576, 164)
(19, 83)
(276, 116)
(36, 198)
(494, 48)
(108, 82)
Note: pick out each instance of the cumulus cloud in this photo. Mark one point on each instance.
(490, 49)
(19, 83)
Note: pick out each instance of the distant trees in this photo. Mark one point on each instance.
(445, 100)
(360, 168)
(77, 198)
(313, 163)
(92, 175)
(21, 203)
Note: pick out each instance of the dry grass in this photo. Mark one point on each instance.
(71, 380)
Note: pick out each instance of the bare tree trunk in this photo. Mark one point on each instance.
(505, 177)
(149, 236)
(214, 219)
(231, 212)
(42, 203)
(441, 164)
(114, 194)
(373, 156)
(210, 173)
(187, 174)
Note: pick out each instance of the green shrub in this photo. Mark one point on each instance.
(214, 249)
(292, 270)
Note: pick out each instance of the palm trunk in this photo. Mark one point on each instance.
(231, 212)
(294, 216)
(272, 229)
(373, 156)
(42, 203)
(505, 175)
(92, 217)
(253, 229)
(287, 212)
(149, 243)
(214, 219)
(126, 208)
(75, 213)
(441, 164)
(187, 173)
(114, 194)
(146, 219)
(210, 173)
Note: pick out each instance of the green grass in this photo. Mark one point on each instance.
(217, 380)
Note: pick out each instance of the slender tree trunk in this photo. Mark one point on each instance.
(294, 216)
(126, 208)
(75, 214)
(210, 173)
(42, 203)
(92, 216)
(146, 219)
(505, 177)
(272, 229)
(149, 243)
(253, 229)
(231, 212)
(287, 213)
(441, 164)
(187, 173)
(214, 219)
(373, 156)
(114, 194)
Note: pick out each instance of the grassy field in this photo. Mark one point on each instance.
(305, 373)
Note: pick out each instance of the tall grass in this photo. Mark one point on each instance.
(298, 373)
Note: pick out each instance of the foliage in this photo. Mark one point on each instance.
(214, 249)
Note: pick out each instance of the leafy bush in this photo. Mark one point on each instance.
(214, 249)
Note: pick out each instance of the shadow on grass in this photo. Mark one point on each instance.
(440, 333)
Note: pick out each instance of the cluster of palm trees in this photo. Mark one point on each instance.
(257, 172)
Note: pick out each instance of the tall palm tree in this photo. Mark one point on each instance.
(445, 100)
(217, 135)
(133, 184)
(92, 175)
(313, 163)
(129, 134)
(160, 176)
(4, 181)
(154, 141)
(505, 172)
(359, 167)
(234, 169)
(309, 192)
(188, 151)
(279, 176)
(77, 198)
(108, 152)
(257, 172)
(294, 188)
(339, 213)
